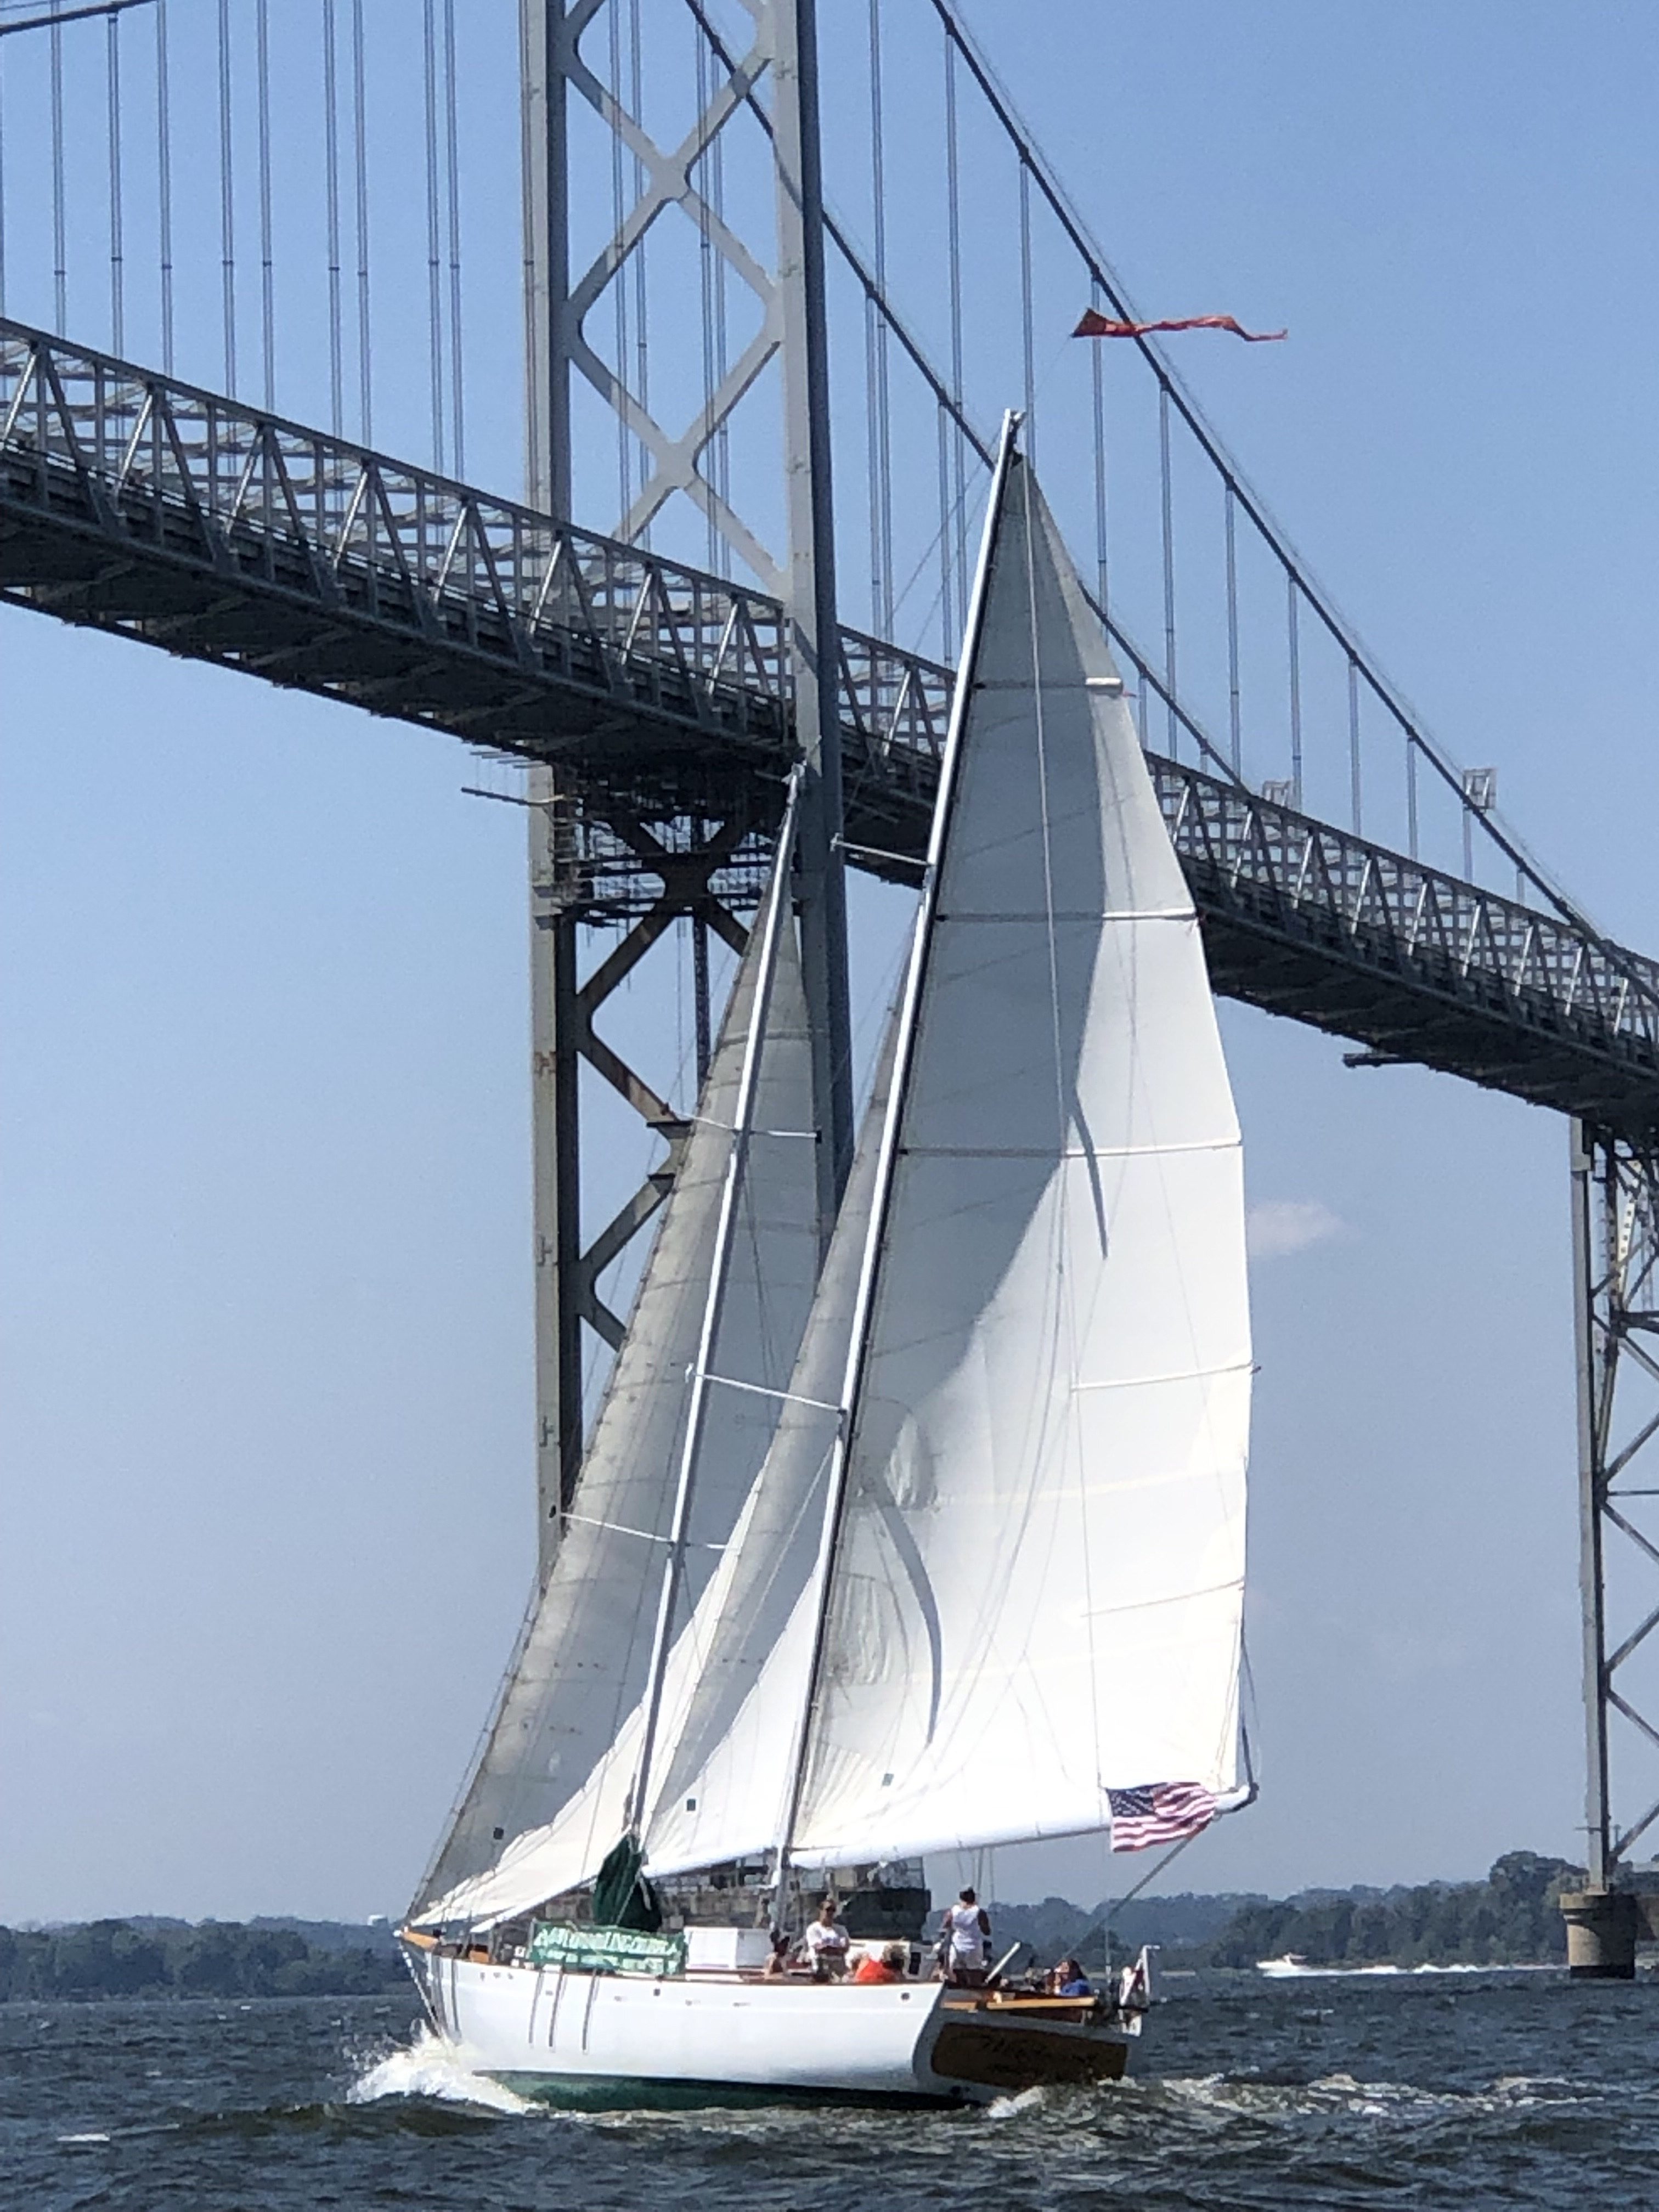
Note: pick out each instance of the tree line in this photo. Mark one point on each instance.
(216, 1959)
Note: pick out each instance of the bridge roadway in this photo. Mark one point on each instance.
(145, 506)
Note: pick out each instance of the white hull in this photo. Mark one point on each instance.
(620, 2038)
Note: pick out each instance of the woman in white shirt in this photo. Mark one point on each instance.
(827, 1942)
(965, 1940)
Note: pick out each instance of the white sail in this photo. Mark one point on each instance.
(582, 1662)
(1038, 1574)
(736, 1675)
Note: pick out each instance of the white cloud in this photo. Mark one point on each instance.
(1276, 1226)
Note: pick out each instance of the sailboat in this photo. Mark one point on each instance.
(930, 1541)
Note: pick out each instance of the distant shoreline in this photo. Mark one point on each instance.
(1512, 1918)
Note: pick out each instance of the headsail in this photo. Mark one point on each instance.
(581, 1664)
(1038, 1574)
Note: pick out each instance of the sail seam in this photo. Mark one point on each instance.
(1093, 915)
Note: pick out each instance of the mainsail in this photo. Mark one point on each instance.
(1038, 1572)
(582, 1661)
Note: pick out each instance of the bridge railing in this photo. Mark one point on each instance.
(189, 470)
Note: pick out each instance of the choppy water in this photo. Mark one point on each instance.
(1416, 2093)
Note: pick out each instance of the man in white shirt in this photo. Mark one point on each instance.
(827, 1942)
(965, 1940)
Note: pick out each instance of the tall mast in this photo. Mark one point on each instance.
(864, 1302)
(777, 910)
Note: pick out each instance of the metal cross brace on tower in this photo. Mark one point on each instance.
(792, 326)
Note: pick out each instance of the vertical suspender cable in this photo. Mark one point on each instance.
(1353, 738)
(722, 356)
(3, 189)
(332, 175)
(267, 272)
(1411, 794)
(619, 278)
(641, 327)
(164, 182)
(1103, 580)
(452, 142)
(883, 511)
(705, 274)
(59, 224)
(1026, 322)
(1235, 735)
(360, 147)
(1167, 498)
(227, 200)
(1296, 689)
(959, 483)
(117, 320)
(433, 262)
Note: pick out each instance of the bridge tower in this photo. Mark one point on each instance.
(557, 349)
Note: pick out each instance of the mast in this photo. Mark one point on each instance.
(864, 1302)
(777, 908)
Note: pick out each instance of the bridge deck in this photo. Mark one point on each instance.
(142, 505)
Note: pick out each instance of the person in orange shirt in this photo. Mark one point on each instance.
(888, 1968)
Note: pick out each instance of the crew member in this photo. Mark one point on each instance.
(965, 1940)
(889, 1967)
(827, 1943)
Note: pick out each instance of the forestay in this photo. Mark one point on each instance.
(581, 1664)
(1038, 1576)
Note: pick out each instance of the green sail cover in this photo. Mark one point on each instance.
(606, 1950)
(621, 1896)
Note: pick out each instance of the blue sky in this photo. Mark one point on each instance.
(263, 1116)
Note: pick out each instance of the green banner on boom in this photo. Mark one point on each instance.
(606, 1950)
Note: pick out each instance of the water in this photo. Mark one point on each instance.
(1419, 2092)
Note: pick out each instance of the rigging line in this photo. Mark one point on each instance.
(453, 163)
(59, 227)
(1025, 308)
(3, 192)
(434, 278)
(1235, 741)
(117, 257)
(164, 183)
(331, 175)
(267, 273)
(1293, 642)
(360, 148)
(227, 203)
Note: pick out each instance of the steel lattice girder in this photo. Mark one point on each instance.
(161, 511)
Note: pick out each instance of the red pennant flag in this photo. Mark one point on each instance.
(1097, 325)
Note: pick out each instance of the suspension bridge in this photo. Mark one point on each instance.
(733, 358)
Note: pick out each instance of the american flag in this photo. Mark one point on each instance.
(1158, 1813)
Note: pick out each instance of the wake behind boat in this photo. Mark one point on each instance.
(935, 1546)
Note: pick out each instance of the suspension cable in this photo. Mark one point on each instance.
(360, 147)
(332, 179)
(117, 273)
(164, 184)
(59, 225)
(434, 278)
(267, 263)
(452, 139)
(226, 202)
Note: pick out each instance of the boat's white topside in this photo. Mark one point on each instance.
(560, 2025)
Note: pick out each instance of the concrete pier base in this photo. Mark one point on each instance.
(1602, 1925)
